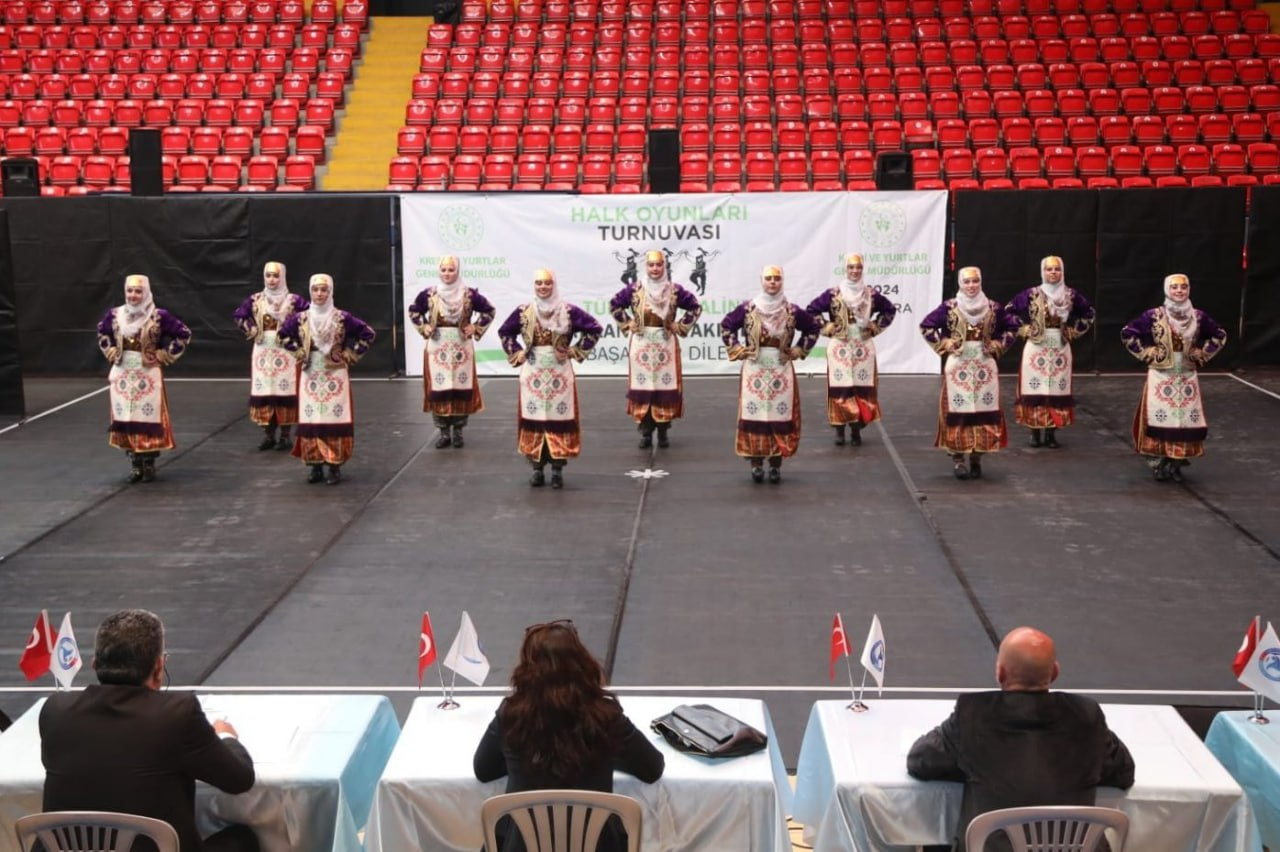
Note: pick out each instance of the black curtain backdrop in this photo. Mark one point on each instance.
(1146, 234)
(11, 396)
(1007, 232)
(204, 257)
(1262, 280)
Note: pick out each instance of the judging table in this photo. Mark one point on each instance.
(317, 759)
(1251, 753)
(853, 791)
(429, 799)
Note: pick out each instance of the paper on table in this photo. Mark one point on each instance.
(268, 739)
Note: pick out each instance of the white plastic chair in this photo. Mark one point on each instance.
(1057, 828)
(561, 820)
(92, 831)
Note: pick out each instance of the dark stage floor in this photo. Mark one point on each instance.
(690, 581)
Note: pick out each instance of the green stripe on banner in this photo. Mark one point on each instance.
(490, 355)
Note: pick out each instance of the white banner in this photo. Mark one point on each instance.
(715, 245)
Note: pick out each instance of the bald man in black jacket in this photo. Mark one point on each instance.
(1022, 745)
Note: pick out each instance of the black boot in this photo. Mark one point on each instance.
(663, 440)
(1035, 437)
(1175, 469)
(775, 469)
(135, 467)
(855, 434)
(444, 439)
(149, 467)
(840, 436)
(757, 471)
(315, 473)
(557, 475)
(539, 478)
(961, 467)
(456, 439)
(268, 439)
(284, 442)
(975, 466)
(335, 474)
(646, 436)
(1051, 439)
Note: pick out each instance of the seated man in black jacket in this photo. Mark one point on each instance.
(123, 745)
(1022, 745)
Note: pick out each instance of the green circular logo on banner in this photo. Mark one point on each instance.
(460, 227)
(882, 223)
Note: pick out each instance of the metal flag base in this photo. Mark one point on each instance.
(1258, 719)
(448, 704)
(857, 706)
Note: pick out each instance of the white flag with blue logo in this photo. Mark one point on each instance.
(873, 653)
(465, 656)
(1262, 672)
(66, 654)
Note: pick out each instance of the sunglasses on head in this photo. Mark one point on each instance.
(559, 622)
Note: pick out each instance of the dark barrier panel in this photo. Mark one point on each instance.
(1146, 234)
(1006, 233)
(1262, 281)
(11, 397)
(204, 256)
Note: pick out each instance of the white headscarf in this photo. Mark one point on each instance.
(553, 312)
(973, 308)
(277, 297)
(1182, 315)
(856, 294)
(657, 294)
(129, 319)
(1058, 295)
(774, 310)
(451, 296)
(323, 318)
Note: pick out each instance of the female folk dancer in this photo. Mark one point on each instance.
(646, 312)
(273, 380)
(538, 338)
(971, 332)
(1048, 317)
(138, 339)
(327, 341)
(449, 316)
(855, 314)
(768, 398)
(1173, 340)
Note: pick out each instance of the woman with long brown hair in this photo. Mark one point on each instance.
(561, 729)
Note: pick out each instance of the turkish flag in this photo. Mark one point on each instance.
(38, 655)
(1247, 646)
(426, 647)
(839, 643)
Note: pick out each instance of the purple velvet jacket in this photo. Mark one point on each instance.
(515, 335)
(882, 310)
(247, 320)
(622, 305)
(1150, 339)
(165, 338)
(944, 324)
(735, 322)
(481, 313)
(1029, 324)
(349, 347)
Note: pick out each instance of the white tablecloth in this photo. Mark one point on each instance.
(317, 759)
(853, 791)
(429, 800)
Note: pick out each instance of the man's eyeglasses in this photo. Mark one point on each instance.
(773, 278)
(559, 622)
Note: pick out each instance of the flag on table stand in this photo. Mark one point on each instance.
(38, 655)
(1247, 645)
(873, 653)
(1262, 670)
(66, 654)
(426, 647)
(839, 643)
(465, 656)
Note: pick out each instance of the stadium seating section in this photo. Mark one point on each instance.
(765, 95)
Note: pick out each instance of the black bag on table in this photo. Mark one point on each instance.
(702, 729)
